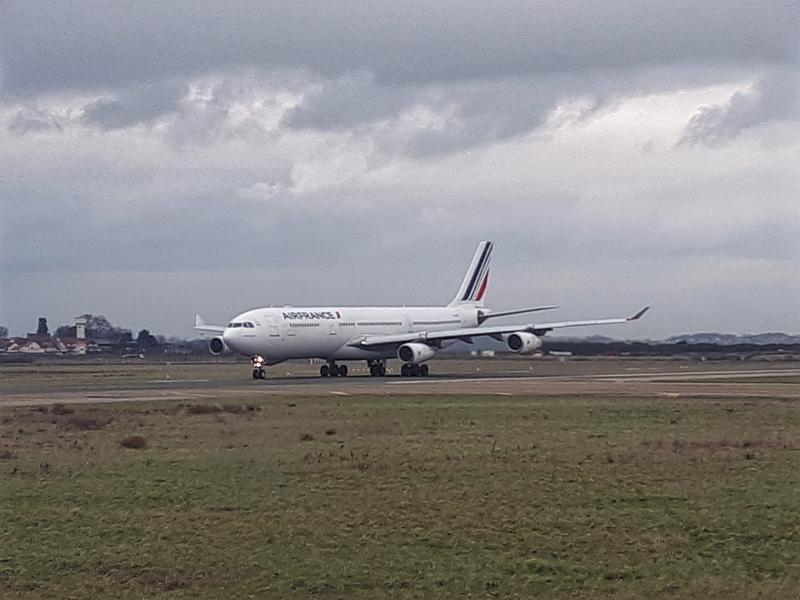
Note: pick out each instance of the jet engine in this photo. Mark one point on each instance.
(523, 342)
(217, 346)
(415, 353)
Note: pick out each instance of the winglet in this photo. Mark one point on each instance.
(198, 321)
(639, 314)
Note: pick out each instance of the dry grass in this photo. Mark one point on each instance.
(412, 497)
(7, 454)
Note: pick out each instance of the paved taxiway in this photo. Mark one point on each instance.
(463, 378)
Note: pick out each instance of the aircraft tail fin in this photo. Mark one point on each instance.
(476, 280)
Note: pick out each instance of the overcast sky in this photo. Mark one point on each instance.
(165, 158)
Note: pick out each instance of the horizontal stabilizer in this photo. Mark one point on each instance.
(200, 325)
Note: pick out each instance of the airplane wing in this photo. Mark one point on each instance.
(201, 325)
(466, 333)
(484, 316)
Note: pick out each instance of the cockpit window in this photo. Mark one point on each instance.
(248, 324)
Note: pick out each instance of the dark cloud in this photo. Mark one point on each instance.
(48, 46)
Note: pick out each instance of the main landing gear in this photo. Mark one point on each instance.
(333, 370)
(377, 368)
(412, 370)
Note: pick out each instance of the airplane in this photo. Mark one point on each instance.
(375, 334)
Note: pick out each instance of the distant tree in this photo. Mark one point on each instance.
(99, 327)
(145, 340)
(3, 331)
(65, 331)
(42, 327)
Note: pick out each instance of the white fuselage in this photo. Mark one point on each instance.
(279, 334)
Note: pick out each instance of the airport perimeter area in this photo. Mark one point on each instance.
(491, 478)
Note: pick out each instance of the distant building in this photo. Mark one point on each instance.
(34, 343)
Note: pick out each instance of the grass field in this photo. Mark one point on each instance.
(410, 497)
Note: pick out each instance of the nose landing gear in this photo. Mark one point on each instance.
(258, 367)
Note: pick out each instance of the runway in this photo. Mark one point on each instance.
(221, 383)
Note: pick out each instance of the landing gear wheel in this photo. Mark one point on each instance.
(377, 368)
(414, 370)
(255, 374)
(423, 370)
(324, 371)
(262, 374)
(342, 371)
(405, 370)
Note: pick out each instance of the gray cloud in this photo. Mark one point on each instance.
(155, 157)
(31, 118)
(772, 98)
(94, 44)
(140, 104)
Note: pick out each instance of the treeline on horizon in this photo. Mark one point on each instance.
(98, 327)
(628, 348)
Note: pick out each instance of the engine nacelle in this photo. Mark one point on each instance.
(217, 346)
(522, 342)
(415, 353)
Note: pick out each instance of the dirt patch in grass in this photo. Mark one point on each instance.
(82, 422)
(681, 445)
(210, 409)
(135, 442)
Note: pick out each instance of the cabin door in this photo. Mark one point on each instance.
(272, 327)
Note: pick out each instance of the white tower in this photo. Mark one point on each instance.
(80, 328)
